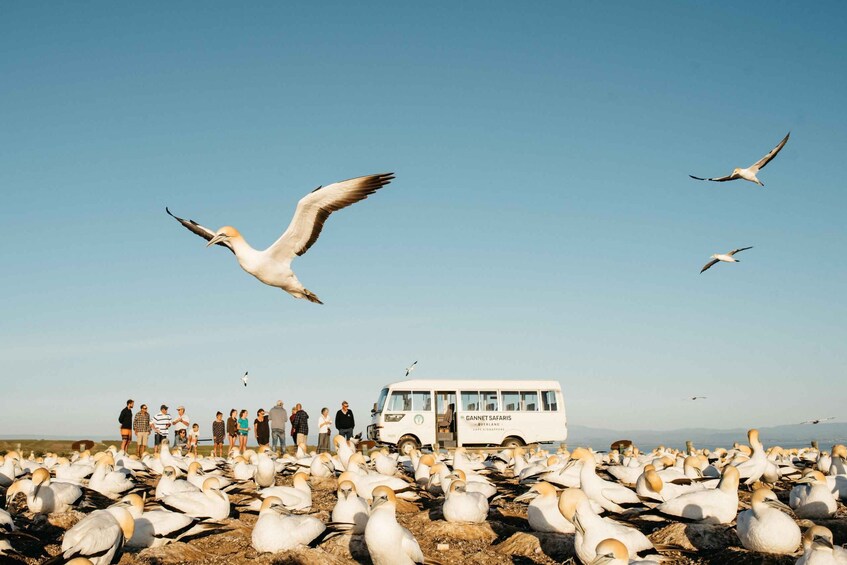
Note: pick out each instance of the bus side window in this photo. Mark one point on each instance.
(529, 401)
(488, 400)
(470, 400)
(401, 401)
(421, 401)
(511, 401)
(548, 398)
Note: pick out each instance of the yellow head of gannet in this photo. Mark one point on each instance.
(427, 459)
(766, 496)
(125, 521)
(538, 489)
(40, 476)
(383, 497)
(346, 489)
(811, 477)
(224, 234)
(730, 479)
(135, 501)
(839, 451)
(818, 538)
(79, 561)
(271, 504)
(609, 551)
(753, 438)
(212, 484)
(458, 485)
(569, 499)
(653, 479)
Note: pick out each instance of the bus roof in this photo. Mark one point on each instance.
(474, 384)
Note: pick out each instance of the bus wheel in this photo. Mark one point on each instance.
(512, 441)
(407, 444)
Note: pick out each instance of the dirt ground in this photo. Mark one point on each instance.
(504, 539)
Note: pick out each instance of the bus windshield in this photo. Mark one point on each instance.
(381, 402)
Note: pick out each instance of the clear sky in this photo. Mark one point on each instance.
(542, 223)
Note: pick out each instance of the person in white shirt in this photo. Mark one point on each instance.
(324, 428)
(181, 422)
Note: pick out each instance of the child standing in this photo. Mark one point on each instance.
(218, 432)
(243, 429)
(193, 438)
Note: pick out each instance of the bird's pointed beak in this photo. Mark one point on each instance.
(217, 239)
(528, 495)
(823, 541)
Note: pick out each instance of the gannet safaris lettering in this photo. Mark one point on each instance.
(273, 265)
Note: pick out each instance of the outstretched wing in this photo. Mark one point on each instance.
(734, 251)
(708, 265)
(314, 208)
(718, 179)
(194, 227)
(760, 164)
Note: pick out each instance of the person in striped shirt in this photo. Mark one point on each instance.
(160, 424)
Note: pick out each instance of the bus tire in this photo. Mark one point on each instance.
(407, 442)
(513, 441)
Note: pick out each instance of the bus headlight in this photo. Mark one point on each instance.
(394, 417)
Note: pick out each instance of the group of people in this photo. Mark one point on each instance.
(269, 428)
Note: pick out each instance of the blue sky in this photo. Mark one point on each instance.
(542, 223)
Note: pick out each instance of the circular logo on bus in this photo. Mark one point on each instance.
(418, 419)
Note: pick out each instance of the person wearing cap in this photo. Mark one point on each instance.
(344, 421)
(181, 422)
(160, 424)
(279, 417)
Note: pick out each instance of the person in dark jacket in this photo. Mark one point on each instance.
(125, 420)
(344, 421)
(262, 429)
(301, 424)
(232, 428)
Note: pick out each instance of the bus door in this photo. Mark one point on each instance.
(445, 411)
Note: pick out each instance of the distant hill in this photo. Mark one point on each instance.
(787, 436)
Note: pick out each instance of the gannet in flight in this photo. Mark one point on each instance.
(273, 265)
(410, 368)
(244, 379)
(750, 172)
(817, 421)
(725, 257)
(697, 398)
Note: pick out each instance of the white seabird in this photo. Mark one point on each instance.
(726, 258)
(245, 378)
(818, 420)
(766, 527)
(749, 173)
(388, 542)
(273, 265)
(410, 368)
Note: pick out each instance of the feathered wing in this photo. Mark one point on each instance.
(734, 251)
(194, 227)
(411, 547)
(717, 179)
(760, 164)
(708, 265)
(314, 208)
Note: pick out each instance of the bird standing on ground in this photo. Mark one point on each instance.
(726, 258)
(749, 173)
(273, 265)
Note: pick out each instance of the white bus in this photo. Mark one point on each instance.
(479, 413)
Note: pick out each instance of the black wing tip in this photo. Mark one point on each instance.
(168, 210)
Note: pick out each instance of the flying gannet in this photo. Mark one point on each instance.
(750, 172)
(273, 265)
(245, 378)
(726, 258)
(410, 368)
(818, 420)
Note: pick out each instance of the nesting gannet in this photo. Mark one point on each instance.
(750, 172)
(209, 503)
(265, 473)
(712, 506)
(273, 265)
(168, 484)
(725, 257)
(44, 496)
(612, 552)
(607, 494)
(388, 542)
(766, 527)
(350, 508)
(156, 528)
(410, 368)
(812, 497)
(322, 466)
(276, 530)
(462, 506)
(543, 511)
(99, 537)
(384, 463)
(296, 497)
(818, 548)
(591, 529)
(107, 481)
(245, 378)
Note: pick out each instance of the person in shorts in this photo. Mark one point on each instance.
(141, 426)
(160, 425)
(125, 419)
